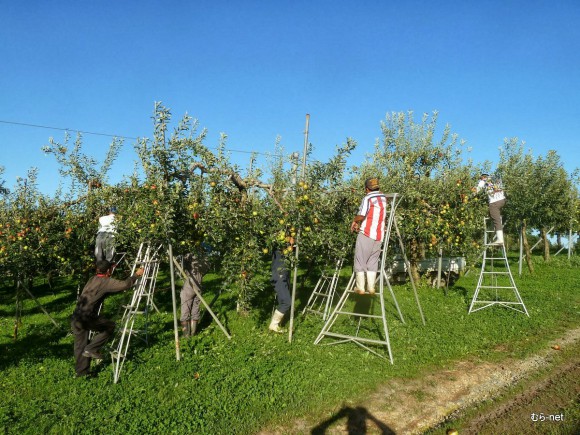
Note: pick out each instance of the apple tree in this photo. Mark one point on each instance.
(540, 193)
(437, 208)
(82, 197)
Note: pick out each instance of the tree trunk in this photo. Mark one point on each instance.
(414, 260)
(544, 235)
(527, 249)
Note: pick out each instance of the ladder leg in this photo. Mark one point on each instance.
(408, 265)
(385, 277)
(332, 291)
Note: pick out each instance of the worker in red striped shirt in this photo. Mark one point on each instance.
(369, 223)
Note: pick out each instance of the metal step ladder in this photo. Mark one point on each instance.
(496, 285)
(364, 306)
(321, 299)
(138, 308)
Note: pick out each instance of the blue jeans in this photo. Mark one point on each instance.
(280, 280)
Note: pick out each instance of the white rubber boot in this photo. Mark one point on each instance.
(371, 278)
(275, 323)
(498, 238)
(360, 283)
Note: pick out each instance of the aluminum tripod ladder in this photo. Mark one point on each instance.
(139, 307)
(321, 299)
(345, 328)
(496, 285)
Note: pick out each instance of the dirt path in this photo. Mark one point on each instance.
(415, 406)
(536, 408)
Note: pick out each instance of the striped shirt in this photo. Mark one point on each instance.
(374, 209)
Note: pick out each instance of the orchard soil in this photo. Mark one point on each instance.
(472, 396)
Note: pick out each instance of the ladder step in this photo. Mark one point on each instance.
(130, 312)
(496, 287)
(130, 332)
(131, 307)
(377, 293)
(349, 337)
(496, 273)
(324, 295)
(369, 316)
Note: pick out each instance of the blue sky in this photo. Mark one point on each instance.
(253, 69)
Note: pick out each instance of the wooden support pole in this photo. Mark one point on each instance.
(439, 266)
(174, 302)
(297, 251)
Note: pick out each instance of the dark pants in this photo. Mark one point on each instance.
(495, 213)
(105, 247)
(80, 329)
(280, 279)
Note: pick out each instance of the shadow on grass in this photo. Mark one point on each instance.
(38, 344)
(59, 300)
(357, 421)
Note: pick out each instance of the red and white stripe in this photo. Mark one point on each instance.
(374, 209)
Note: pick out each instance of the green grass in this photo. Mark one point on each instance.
(256, 378)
